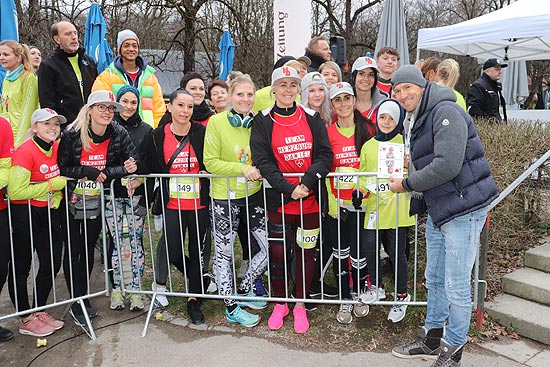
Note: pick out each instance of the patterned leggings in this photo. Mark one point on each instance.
(135, 234)
(226, 222)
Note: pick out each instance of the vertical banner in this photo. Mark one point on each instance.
(291, 27)
(8, 28)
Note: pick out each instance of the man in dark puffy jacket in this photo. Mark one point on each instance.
(450, 177)
(484, 96)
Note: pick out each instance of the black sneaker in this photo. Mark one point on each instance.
(92, 312)
(425, 346)
(78, 315)
(310, 307)
(328, 290)
(194, 311)
(5, 334)
(449, 356)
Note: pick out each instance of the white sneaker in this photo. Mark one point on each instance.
(398, 311)
(373, 294)
(117, 300)
(360, 310)
(160, 299)
(344, 314)
(136, 303)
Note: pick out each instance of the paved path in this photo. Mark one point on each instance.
(176, 343)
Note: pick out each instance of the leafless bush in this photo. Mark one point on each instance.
(510, 149)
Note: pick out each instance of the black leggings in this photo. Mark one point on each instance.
(81, 246)
(387, 237)
(174, 239)
(48, 253)
(349, 229)
(5, 248)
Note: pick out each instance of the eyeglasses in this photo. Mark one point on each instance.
(103, 108)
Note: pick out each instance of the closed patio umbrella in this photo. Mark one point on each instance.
(392, 30)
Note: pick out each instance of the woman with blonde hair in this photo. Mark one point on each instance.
(429, 68)
(20, 88)
(93, 150)
(288, 138)
(227, 153)
(315, 95)
(35, 188)
(331, 72)
(448, 73)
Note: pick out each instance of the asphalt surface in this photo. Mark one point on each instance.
(177, 342)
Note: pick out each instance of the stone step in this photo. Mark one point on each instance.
(539, 258)
(527, 318)
(528, 283)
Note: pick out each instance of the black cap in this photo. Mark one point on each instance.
(493, 62)
(283, 60)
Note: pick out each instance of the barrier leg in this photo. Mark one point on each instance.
(149, 314)
(90, 331)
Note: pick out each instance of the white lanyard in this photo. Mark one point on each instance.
(410, 118)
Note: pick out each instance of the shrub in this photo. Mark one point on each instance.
(511, 148)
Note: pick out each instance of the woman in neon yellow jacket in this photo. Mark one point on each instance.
(20, 88)
(236, 199)
(34, 189)
(128, 68)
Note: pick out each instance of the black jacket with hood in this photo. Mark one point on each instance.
(264, 158)
(120, 148)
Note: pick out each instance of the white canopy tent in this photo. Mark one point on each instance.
(519, 31)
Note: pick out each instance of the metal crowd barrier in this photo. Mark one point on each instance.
(60, 295)
(150, 240)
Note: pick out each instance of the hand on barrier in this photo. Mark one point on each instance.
(252, 174)
(132, 185)
(102, 177)
(300, 192)
(58, 183)
(130, 165)
(357, 198)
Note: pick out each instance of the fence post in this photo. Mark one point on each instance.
(482, 287)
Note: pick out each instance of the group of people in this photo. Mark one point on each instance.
(409, 134)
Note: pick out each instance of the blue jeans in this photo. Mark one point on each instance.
(451, 252)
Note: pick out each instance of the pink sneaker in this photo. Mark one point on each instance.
(35, 327)
(48, 319)
(301, 324)
(275, 321)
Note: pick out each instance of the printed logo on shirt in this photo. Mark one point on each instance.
(96, 156)
(348, 156)
(44, 168)
(181, 162)
(295, 149)
(445, 122)
(54, 171)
